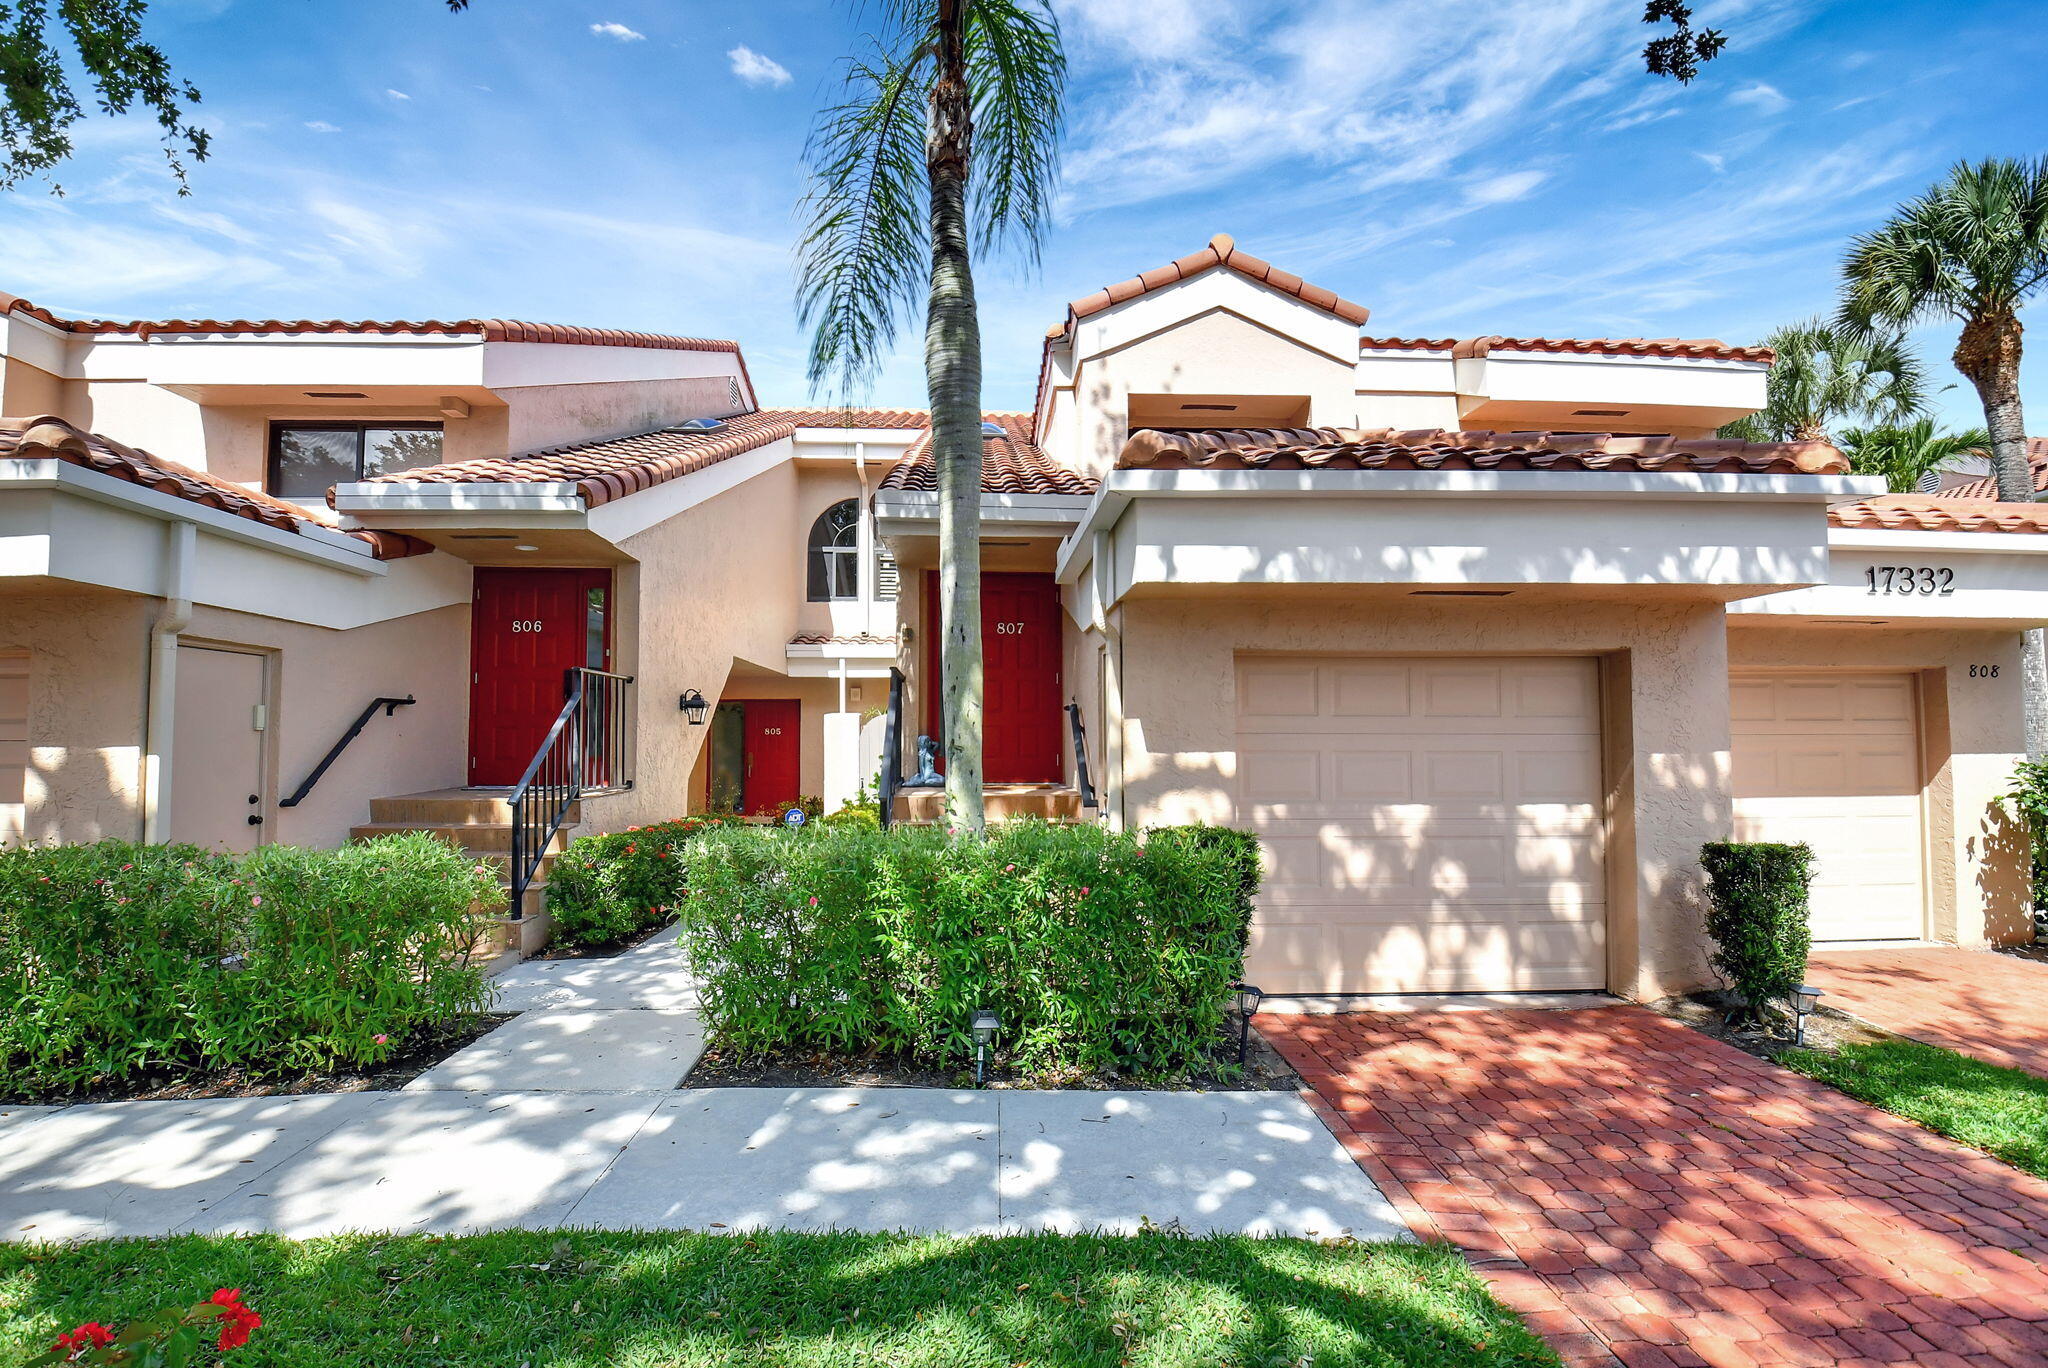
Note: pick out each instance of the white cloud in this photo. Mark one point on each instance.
(398, 95)
(1158, 28)
(1714, 160)
(617, 31)
(756, 70)
(321, 126)
(1504, 189)
(1764, 98)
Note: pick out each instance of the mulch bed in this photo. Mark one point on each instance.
(583, 952)
(1264, 1071)
(1827, 1030)
(426, 1049)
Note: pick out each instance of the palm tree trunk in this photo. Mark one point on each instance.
(952, 366)
(1988, 355)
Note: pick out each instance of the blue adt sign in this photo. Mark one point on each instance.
(794, 817)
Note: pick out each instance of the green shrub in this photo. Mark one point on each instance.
(1757, 917)
(605, 889)
(2029, 799)
(856, 815)
(1243, 849)
(117, 959)
(1095, 950)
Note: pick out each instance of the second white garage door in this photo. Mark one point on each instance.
(1429, 824)
(1833, 759)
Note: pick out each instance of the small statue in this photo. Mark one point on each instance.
(927, 775)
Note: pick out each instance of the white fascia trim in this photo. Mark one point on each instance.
(308, 339)
(872, 436)
(644, 508)
(915, 512)
(1995, 543)
(549, 505)
(322, 545)
(817, 651)
(1122, 486)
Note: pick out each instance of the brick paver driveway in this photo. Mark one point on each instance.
(1994, 1007)
(1649, 1196)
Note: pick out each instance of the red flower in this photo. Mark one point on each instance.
(91, 1335)
(236, 1320)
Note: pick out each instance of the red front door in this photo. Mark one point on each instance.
(772, 777)
(1020, 676)
(528, 629)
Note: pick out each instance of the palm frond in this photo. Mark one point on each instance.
(863, 252)
(1975, 244)
(1906, 454)
(1826, 374)
(1017, 75)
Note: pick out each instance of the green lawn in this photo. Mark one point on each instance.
(2003, 1112)
(604, 1300)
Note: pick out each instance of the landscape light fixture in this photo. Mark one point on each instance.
(1805, 998)
(1248, 1000)
(984, 1031)
(695, 707)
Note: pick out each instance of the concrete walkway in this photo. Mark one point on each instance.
(569, 1115)
(711, 1158)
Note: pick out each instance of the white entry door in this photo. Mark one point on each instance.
(1833, 759)
(1429, 824)
(217, 749)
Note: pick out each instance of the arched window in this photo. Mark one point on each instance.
(835, 557)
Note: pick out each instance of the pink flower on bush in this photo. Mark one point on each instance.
(1084, 891)
(126, 867)
(814, 900)
(256, 901)
(382, 1039)
(91, 1335)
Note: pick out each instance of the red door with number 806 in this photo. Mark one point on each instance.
(528, 629)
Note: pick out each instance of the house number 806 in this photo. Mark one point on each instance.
(526, 625)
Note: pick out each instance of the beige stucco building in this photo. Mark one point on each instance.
(1483, 637)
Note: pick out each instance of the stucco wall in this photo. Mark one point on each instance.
(712, 585)
(548, 415)
(321, 680)
(87, 667)
(1666, 718)
(1973, 733)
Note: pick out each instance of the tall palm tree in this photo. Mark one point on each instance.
(1825, 375)
(1906, 454)
(1974, 249)
(903, 195)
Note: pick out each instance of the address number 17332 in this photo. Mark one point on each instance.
(1910, 579)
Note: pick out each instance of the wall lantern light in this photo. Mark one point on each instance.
(693, 704)
(1805, 998)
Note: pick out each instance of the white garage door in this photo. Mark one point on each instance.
(1833, 759)
(1430, 824)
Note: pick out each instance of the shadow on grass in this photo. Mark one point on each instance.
(2003, 1112)
(586, 1299)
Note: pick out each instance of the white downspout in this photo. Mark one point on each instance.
(181, 538)
(1103, 568)
(864, 547)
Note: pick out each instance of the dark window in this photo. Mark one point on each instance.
(308, 459)
(835, 559)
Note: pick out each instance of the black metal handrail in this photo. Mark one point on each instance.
(389, 705)
(891, 776)
(585, 749)
(1081, 780)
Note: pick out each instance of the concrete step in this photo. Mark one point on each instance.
(451, 807)
(1000, 802)
(474, 837)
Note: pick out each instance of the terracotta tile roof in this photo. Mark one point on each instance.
(1987, 488)
(1707, 347)
(827, 639)
(1011, 464)
(47, 438)
(1937, 513)
(1388, 449)
(618, 466)
(1221, 251)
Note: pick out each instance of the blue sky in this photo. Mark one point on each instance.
(1459, 166)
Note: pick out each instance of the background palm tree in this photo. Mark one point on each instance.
(1826, 375)
(1972, 248)
(1904, 455)
(946, 145)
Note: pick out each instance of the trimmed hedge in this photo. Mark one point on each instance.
(119, 959)
(1757, 917)
(608, 888)
(1096, 950)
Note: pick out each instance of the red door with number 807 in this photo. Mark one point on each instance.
(528, 629)
(1020, 676)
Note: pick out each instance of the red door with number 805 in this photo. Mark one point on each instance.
(528, 629)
